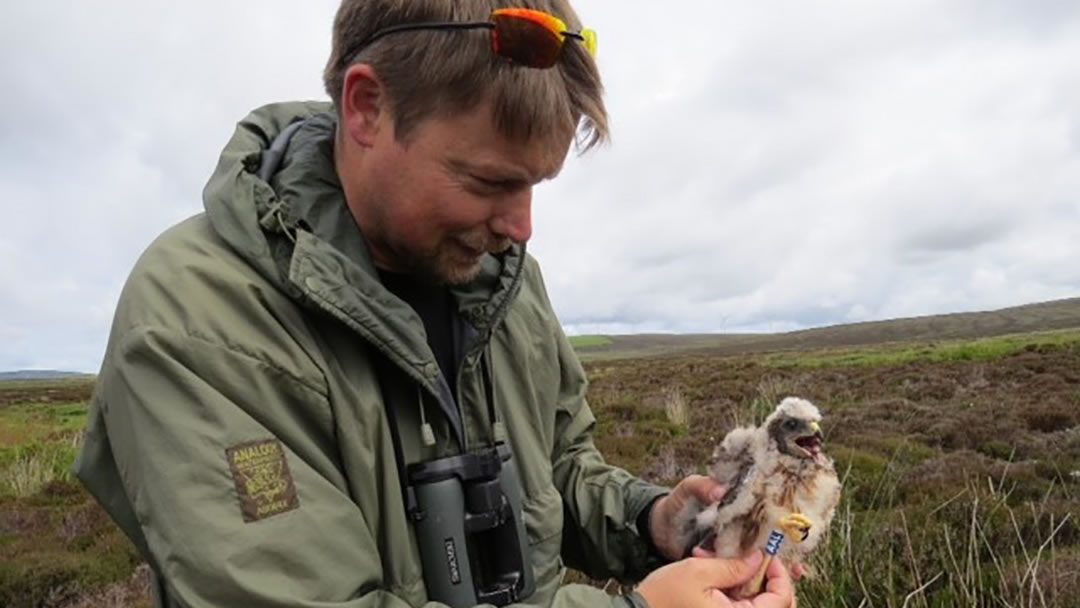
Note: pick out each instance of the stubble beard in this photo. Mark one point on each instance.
(456, 260)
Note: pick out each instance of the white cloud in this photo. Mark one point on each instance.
(775, 165)
(862, 162)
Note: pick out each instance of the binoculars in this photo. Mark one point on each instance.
(469, 529)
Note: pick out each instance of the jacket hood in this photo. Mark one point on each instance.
(292, 225)
(299, 212)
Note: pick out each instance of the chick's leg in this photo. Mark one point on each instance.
(796, 527)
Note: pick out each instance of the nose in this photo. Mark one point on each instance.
(512, 217)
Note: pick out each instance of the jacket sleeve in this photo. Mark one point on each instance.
(603, 501)
(229, 528)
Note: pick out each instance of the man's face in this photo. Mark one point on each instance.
(453, 192)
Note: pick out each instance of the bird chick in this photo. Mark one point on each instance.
(782, 491)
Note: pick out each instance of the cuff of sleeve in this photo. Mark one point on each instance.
(643, 523)
(643, 556)
(642, 496)
(634, 599)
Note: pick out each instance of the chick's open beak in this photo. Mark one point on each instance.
(811, 444)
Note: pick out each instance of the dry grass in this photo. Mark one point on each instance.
(68, 390)
(874, 559)
(134, 592)
(771, 390)
(28, 474)
(676, 407)
(35, 465)
(58, 548)
(961, 476)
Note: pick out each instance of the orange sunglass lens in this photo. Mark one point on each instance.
(527, 40)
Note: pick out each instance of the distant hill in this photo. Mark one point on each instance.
(1045, 316)
(39, 374)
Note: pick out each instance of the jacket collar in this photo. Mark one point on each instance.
(296, 230)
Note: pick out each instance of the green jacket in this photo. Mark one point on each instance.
(238, 433)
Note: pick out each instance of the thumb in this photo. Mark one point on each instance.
(728, 573)
(703, 488)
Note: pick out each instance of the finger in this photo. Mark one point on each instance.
(778, 590)
(698, 486)
(718, 599)
(728, 573)
(703, 488)
(798, 571)
(778, 580)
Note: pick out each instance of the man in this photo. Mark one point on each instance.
(356, 302)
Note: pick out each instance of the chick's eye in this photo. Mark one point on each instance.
(791, 425)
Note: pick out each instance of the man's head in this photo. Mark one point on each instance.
(440, 140)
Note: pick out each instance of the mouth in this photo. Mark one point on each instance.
(811, 445)
(470, 252)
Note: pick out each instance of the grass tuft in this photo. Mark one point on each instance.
(676, 407)
(26, 469)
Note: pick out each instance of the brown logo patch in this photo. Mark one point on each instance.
(263, 481)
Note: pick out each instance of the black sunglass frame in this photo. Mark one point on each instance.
(436, 25)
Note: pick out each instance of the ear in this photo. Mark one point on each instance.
(364, 107)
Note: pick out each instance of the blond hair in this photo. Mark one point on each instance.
(430, 73)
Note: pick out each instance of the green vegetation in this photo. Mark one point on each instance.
(589, 342)
(38, 444)
(960, 462)
(34, 421)
(26, 469)
(57, 547)
(958, 350)
(39, 389)
(1020, 320)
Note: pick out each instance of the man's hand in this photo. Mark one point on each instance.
(700, 582)
(798, 570)
(663, 526)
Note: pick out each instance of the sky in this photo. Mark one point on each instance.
(774, 165)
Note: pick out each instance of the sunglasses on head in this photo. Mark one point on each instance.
(524, 36)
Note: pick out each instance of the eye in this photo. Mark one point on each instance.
(483, 181)
(791, 425)
(496, 186)
(492, 184)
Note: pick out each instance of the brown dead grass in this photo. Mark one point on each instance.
(134, 592)
(53, 391)
(927, 448)
(922, 443)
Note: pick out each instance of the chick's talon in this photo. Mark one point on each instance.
(797, 526)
